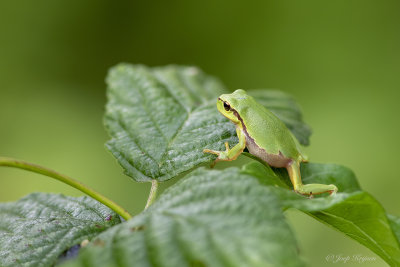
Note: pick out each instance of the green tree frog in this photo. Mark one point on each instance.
(266, 137)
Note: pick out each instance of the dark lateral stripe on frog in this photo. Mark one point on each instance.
(240, 119)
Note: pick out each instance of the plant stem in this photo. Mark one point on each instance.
(152, 194)
(10, 162)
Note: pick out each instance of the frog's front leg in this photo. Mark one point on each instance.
(307, 189)
(230, 153)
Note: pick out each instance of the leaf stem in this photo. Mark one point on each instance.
(10, 162)
(152, 194)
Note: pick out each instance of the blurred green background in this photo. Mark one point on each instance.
(340, 59)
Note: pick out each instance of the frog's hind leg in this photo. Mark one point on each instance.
(308, 189)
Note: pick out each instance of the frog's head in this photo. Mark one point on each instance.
(230, 104)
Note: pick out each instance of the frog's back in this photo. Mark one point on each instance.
(267, 131)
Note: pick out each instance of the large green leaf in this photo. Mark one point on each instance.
(210, 218)
(161, 119)
(359, 216)
(352, 211)
(35, 230)
(395, 223)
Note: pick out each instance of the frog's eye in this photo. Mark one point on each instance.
(227, 107)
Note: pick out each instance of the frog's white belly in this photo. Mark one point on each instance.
(273, 160)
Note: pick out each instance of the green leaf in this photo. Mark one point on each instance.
(395, 223)
(161, 119)
(352, 211)
(362, 218)
(210, 218)
(35, 230)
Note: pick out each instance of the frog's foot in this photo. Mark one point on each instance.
(315, 189)
(222, 155)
